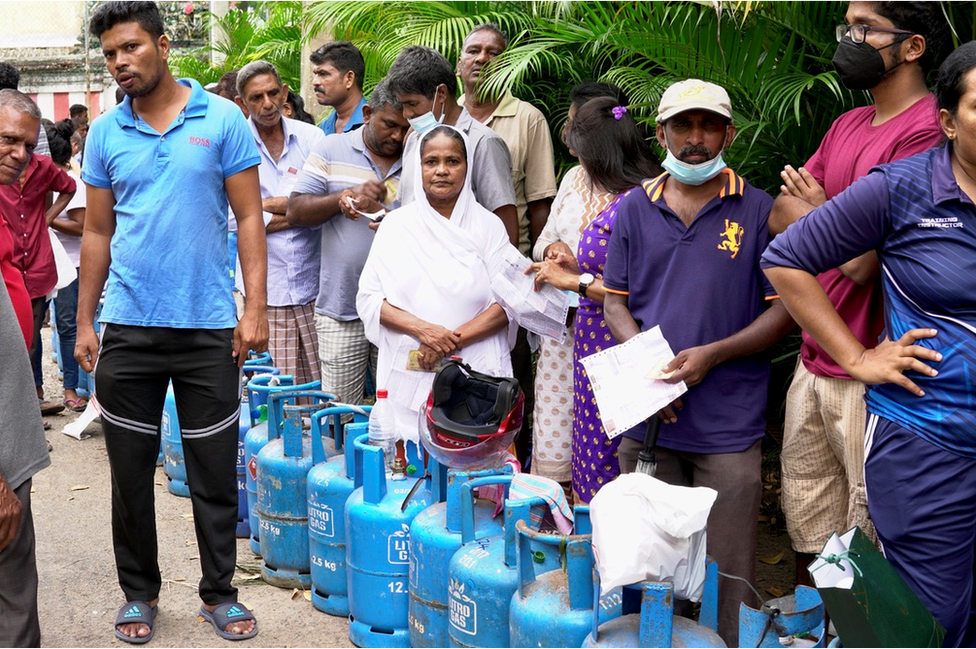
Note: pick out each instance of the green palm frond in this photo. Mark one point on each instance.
(268, 30)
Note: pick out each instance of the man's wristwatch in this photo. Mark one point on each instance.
(584, 283)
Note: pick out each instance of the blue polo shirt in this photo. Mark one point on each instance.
(355, 120)
(923, 227)
(170, 262)
(701, 284)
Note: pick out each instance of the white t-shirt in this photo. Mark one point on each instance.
(71, 243)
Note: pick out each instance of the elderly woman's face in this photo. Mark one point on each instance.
(443, 167)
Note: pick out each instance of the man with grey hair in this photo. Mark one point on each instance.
(356, 174)
(10, 79)
(23, 451)
(293, 253)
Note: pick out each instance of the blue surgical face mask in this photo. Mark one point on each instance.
(693, 174)
(423, 123)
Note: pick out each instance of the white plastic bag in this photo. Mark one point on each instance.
(645, 529)
(66, 270)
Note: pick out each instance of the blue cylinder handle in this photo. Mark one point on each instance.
(327, 422)
(251, 370)
(455, 480)
(373, 475)
(292, 431)
(258, 358)
(581, 520)
(515, 511)
(468, 532)
(656, 627)
(579, 562)
(277, 400)
(438, 482)
(709, 605)
(352, 432)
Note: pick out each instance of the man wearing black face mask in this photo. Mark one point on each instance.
(885, 48)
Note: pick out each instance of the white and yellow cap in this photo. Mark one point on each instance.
(694, 94)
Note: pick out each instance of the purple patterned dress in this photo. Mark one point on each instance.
(594, 456)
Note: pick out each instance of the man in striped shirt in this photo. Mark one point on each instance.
(367, 163)
(293, 253)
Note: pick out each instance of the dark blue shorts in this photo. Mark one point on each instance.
(922, 500)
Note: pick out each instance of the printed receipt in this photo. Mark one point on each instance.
(542, 312)
(627, 383)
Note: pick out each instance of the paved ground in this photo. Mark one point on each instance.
(79, 593)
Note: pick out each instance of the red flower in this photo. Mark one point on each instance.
(188, 8)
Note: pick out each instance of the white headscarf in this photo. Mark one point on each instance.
(439, 270)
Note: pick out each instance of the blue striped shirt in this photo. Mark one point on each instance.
(293, 254)
(339, 162)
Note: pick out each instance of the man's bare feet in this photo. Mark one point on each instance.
(236, 628)
(136, 629)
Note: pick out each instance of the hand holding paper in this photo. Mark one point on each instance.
(626, 381)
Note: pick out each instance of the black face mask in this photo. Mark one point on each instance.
(859, 65)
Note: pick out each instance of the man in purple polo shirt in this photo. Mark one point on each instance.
(684, 255)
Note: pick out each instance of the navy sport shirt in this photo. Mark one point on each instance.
(701, 283)
(923, 227)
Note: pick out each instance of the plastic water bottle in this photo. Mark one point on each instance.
(382, 427)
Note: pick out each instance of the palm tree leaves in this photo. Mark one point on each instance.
(256, 30)
(772, 57)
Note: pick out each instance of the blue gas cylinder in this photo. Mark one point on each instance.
(330, 483)
(780, 620)
(648, 618)
(250, 370)
(174, 463)
(283, 465)
(483, 576)
(243, 518)
(555, 608)
(435, 536)
(258, 390)
(378, 516)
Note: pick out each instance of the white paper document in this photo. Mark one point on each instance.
(408, 388)
(543, 311)
(627, 383)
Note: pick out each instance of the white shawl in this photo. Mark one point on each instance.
(437, 269)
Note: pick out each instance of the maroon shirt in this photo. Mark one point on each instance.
(849, 149)
(23, 207)
(15, 284)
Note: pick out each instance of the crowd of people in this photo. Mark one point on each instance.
(375, 236)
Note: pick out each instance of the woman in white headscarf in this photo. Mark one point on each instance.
(426, 285)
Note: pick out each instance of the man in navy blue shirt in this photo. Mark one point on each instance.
(338, 69)
(684, 255)
(160, 169)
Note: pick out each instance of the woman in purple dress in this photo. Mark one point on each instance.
(611, 150)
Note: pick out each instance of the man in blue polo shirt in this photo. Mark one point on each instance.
(338, 68)
(160, 169)
(684, 255)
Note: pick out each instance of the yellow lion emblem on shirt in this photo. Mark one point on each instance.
(731, 237)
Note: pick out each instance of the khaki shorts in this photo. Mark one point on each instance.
(823, 459)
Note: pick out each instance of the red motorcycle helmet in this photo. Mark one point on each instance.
(471, 418)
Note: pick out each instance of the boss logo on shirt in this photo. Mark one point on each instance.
(199, 141)
(731, 237)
